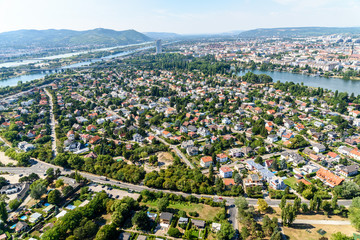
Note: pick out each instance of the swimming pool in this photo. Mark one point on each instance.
(47, 204)
(23, 217)
(13, 226)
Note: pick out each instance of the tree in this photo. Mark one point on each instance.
(354, 213)
(304, 208)
(340, 236)
(37, 189)
(59, 183)
(141, 220)
(297, 204)
(262, 205)
(14, 204)
(282, 202)
(54, 197)
(162, 204)
(241, 203)
(106, 232)
(226, 231)
(245, 233)
(86, 231)
(288, 214)
(174, 232)
(3, 212)
(334, 203)
(326, 206)
(50, 173)
(66, 190)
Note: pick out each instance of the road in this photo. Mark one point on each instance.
(40, 167)
(52, 123)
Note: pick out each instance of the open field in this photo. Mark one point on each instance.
(205, 212)
(309, 231)
(321, 216)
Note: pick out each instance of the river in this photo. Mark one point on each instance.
(30, 77)
(349, 86)
(64, 55)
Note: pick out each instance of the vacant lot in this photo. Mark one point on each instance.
(164, 159)
(205, 212)
(6, 160)
(309, 232)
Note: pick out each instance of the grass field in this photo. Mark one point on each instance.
(205, 212)
(309, 232)
(291, 182)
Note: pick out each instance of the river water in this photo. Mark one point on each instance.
(349, 86)
(30, 77)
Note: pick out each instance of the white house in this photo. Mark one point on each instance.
(226, 172)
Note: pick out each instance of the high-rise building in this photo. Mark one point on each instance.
(158, 46)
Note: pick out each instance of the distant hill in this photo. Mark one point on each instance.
(162, 35)
(298, 32)
(64, 38)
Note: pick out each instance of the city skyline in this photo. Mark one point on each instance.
(187, 17)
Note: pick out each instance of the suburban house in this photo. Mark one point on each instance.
(252, 180)
(318, 148)
(165, 219)
(226, 172)
(222, 157)
(235, 152)
(198, 223)
(21, 226)
(138, 138)
(355, 153)
(328, 177)
(272, 138)
(192, 151)
(206, 161)
(277, 183)
(348, 171)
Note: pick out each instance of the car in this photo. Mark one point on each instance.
(20, 175)
(102, 186)
(220, 198)
(117, 196)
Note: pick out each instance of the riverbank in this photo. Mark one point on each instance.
(331, 83)
(305, 73)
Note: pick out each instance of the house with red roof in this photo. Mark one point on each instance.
(226, 172)
(206, 161)
(328, 177)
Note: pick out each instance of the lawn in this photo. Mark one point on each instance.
(291, 182)
(205, 212)
(76, 203)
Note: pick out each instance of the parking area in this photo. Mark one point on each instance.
(114, 193)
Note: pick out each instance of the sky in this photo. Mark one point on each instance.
(179, 16)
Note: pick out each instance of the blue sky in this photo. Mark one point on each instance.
(180, 16)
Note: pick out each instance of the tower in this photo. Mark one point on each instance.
(158, 46)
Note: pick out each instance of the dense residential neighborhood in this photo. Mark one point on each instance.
(175, 145)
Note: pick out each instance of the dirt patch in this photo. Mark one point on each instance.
(164, 159)
(6, 160)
